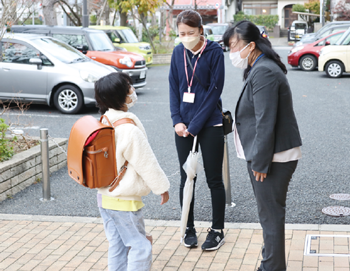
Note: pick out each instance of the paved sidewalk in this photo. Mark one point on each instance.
(77, 243)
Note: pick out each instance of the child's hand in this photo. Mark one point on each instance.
(165, 197)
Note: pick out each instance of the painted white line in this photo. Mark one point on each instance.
(28, 128)
(41, 115)
(167, 103)
(282, 47)
(308, 240)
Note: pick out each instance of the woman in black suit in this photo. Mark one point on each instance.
(266, 133)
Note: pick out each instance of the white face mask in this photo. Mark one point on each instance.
(133, 98)
(190, 42)
(237, 61)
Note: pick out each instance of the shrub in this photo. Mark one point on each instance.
(313, 6)
(299, 8)
(269, 21)
(93, 19)
(6, 148)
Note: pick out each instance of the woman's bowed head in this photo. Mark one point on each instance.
(246, 44)
(190, 28)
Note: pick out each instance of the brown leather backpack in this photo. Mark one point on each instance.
(91, 157)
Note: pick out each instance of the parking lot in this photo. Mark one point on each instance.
(322, 108)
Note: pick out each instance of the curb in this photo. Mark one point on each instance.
(172, 223)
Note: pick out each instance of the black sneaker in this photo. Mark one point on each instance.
(190, 239)
(214, 240)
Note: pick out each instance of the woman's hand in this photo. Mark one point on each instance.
(259, 176)
(180, 130)
(165, 197)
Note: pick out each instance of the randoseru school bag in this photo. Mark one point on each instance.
(91, 157)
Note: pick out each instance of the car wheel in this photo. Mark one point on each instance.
(308, 63)
(334, 69)
(68, 99)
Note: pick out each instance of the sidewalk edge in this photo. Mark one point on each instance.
(171, 223)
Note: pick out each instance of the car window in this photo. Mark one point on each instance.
(332, 39)
(127, 36)
(14, 52)
(346, 41)
(60, 50)
(100, 41)
(218, 29)
(300, 26)
(72, 40)
(208, 31)
(112, 36)
(325, 33)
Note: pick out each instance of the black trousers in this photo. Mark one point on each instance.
(211, 141)
(271, 197)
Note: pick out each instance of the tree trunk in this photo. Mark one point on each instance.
(105, 15)
(143, 18)
(49, 12)
(123, 18)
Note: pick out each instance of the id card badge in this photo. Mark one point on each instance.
(188, 97)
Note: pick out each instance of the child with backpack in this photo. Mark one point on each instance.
(129, 249)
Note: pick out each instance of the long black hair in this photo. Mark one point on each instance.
(248, 32)
(111, 91)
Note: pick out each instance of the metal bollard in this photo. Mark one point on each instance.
(226, 175)
(45, 167)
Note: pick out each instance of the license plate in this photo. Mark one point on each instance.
(142, 74)
(297, 36)
(149, 59)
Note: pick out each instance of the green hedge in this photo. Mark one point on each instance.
(6, 148)
(269, 21)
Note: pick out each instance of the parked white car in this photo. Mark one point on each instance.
(41, 69)
(335, 59)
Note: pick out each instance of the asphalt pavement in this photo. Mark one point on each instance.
(322, 109)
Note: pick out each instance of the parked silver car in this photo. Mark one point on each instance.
(45, 70)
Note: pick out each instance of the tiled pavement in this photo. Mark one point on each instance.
(71, 243)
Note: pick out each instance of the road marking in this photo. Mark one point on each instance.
(281, 48)
(167, 103)
(51, 116)
(28, 128)
(41, 115)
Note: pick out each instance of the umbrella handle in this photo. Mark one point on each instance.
(194, 144)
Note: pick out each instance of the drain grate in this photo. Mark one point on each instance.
(336, 211)
(327, 245)
(340, 196)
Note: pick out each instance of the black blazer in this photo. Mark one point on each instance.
(264, 115)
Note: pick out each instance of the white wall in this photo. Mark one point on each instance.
(230, 11)
(280, 9)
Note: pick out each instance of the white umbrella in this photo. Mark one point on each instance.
(190, 168)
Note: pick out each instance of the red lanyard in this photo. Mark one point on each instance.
(189, 84)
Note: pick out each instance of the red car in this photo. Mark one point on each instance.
(306, 55)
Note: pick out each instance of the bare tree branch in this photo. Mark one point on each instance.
(72, 11)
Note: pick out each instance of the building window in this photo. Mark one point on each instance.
(260, 9)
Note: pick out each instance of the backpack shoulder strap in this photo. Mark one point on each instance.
(123, 121)
(120, 176)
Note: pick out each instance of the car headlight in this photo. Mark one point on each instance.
(126, 61)
(144, 47)
(296, 49)
(88, 77)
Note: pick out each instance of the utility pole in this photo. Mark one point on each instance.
(85, 14)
